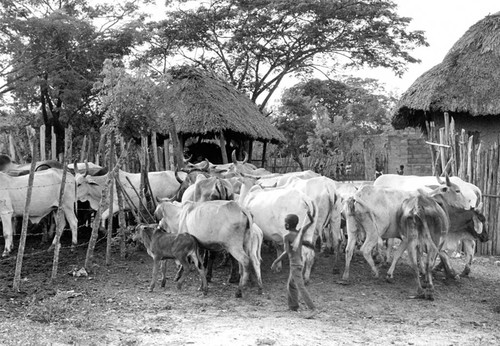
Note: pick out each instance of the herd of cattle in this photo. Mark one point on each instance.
(236, 206)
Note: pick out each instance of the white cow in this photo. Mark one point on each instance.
(89, 188)
(269, 208)
(470, 191)
(44, 199)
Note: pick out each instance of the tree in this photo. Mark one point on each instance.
(52, 53)
(255, 44)
(134, 103)
(323, 117)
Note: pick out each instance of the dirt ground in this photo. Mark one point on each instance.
(113, 306)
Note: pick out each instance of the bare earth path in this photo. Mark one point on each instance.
(113, 307)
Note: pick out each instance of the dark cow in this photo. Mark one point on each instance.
(162, 245)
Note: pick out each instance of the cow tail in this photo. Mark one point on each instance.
(253, 238)
(351, 207)
(198, 254)
(311, 216)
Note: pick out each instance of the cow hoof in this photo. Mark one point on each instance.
(260, 291)
(234, 280)
(150, 289)
(336, 271)
(5, 254)
(389, 279)
(238, 294)
(306, 282)
(209, 279)
(179, 286)
(343, 282)
(205, 292)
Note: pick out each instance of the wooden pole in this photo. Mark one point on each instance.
(109, 238)
(84, 149)
(264, 149)
(100, 209)
(222, 143)
(24, 229)
(42, 143)
(60, 219)
(155, 151)
(102, 140)
(470, 163)
(53, 144)
(121, 217)
(168, 155)
(453, 145)
(12, 148)
(442, 141)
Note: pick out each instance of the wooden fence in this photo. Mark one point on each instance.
(456, 153)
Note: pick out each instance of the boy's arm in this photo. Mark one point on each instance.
(283, 254)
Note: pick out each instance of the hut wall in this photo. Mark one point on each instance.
(487, 127)
(405, 147)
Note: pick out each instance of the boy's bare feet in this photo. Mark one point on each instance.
(311, 314)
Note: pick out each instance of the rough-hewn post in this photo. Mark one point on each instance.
(24, 229)
(60, 219)
(109, 237)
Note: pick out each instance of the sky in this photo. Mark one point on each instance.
(444, 22)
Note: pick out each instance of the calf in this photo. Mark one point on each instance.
(162, 246)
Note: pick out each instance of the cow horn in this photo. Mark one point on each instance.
(448, 183)
(75, 167)
(440, 181)
(188, 159)
(246, 157)
(86, 168)
(233, 156)
(205, 166)
(176, 173)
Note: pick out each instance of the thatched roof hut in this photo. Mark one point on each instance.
(204, 105)
(466, 84)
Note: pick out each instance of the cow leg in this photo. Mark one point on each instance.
(367, 247)
(256, 268)
(235, 275)
(195, 257)
(469, 249)
(279, 251)
(7, 233)
(397, 255)
(156, 262)
(413, 258)
(73, 224)
(163, 273)
(209, 263)
(349, 251)
(448, 268)
(183, 260)
(244, 262)
(337, 244)
(327, 245)
(308, 264)
(388, 252)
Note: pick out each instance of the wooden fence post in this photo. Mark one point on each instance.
(60, 219)
(155, 151)
(166, 151)
(24, 229)
(53, 146)
(109, 237)
(42, 143)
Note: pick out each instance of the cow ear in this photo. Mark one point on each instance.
(448, 182)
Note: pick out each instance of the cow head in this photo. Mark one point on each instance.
(479, 222)
(190, 179)
(89, 188)
(450, 193)
(241, 166)
(213, 188)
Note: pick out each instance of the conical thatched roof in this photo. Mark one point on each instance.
(203, 104)
(466, 82)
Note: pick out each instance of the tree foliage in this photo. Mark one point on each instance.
(323, 117)
(255, 44)
(52, 52)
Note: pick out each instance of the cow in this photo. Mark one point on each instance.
(471, 192)
(322, 191)
(218, 225)
(276, 180)
(372, 211)
(463, 223)
(423, 224)
(269, 208)
(89, 188)
(162, 245)
(208, 189)
(45, 198)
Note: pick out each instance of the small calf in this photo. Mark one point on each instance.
(162, 246)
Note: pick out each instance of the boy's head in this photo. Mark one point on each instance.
(291, 221)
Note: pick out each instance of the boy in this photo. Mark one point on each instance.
(295, 280)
